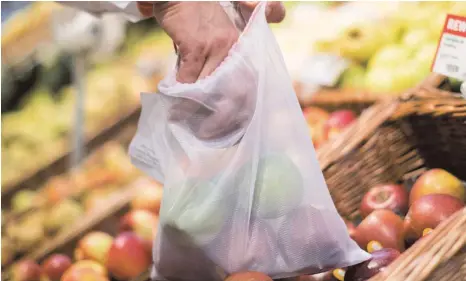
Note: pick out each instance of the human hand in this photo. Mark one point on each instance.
(202, 32)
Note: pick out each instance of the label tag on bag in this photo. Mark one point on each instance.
(450, 58)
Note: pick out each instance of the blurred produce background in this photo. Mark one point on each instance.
(376, 48)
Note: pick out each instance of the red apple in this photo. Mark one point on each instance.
(428, 212)
(55, 265)
(148, 198)
(365, 270)
(248, 276)
(141, 222)
(26, 270)
(94, 246)
(316, 118)
(337, 122)
(383, 226)
(85, 270)
(57, 188)
(128, 256)
(387, 196)
(437, 181)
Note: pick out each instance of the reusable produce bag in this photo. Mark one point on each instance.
(243, 190)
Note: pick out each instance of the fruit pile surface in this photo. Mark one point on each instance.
(103, 255)
(36, 215)
(324, 126)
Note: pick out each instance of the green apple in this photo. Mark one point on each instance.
(23, 200)
(391, 56)
(279, 186)
(436, 26)
(408, 76)
(416, 38)
(425, 56)
(360, 41)
(196, 208)
(379, 80)
(353, 77)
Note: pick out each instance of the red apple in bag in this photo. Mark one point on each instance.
(387, 196)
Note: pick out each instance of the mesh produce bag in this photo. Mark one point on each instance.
(242, 186)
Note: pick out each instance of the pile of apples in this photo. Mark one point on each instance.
(38, 214)
(391, 55)
(98, 256)
(324, 126)
(394, 218)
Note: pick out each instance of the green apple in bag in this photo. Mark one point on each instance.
(196, 209)
(278, 187)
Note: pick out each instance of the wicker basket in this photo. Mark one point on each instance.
(395, 141)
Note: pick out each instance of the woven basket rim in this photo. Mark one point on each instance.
(416, 101)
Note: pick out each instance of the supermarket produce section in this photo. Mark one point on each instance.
(389, 134)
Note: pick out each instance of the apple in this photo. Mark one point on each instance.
(93, 246)
(428, 212)
(141, 222)
(62, 214)
(425, 56)
(195, 208)
(57, 189)
(23, 200)
(390, 56)
(379, 261)
(316, 118)
(379, 80)
(87, 265)
(353, 77)
(55, 266)
(415, 38)
(386, 196)
(26, 270)
(338, 121)
(383, 226)
(278, 186)
(254, 245)
(248, 276)
(128, 256)
(85, 270)
(360, 41)
(148, 198)
(437, 181)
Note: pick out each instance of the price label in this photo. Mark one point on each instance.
(450, 58)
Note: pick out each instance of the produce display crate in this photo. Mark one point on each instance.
(395, 141)
(114, 130)
(105, 219)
